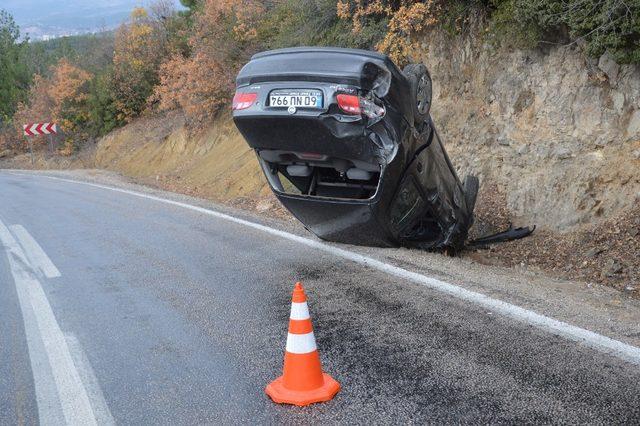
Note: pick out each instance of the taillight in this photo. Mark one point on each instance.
(243, 100)
(349, 103)
(354, 104)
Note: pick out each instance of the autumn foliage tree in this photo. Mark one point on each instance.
(224, 35)
(138, 51)
(61, 98)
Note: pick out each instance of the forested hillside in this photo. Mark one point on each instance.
(162, 59)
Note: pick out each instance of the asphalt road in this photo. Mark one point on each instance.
(120, 308)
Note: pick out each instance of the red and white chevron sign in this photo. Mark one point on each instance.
(34, 129)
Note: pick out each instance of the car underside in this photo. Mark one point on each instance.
(347, 144)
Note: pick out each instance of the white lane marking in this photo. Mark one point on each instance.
(299, 311)
(91, 384)
(589, 338)
(301, 343)
(34, 252)
(71, 394)
(49, 408)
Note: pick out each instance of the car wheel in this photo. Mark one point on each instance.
(471, 186)
(421, 91)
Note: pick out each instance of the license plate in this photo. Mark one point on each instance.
(296, 98)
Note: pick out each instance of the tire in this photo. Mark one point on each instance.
(421, 91)
(471, 187)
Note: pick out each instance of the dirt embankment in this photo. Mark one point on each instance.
(554, 137)
(215, 164)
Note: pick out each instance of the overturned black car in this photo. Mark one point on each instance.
(347, 144)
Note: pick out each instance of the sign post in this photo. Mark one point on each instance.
(31, 150)
(36, 129)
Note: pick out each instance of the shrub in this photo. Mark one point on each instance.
(304, 23)
(103, 113)
(408, 21)
(604, 25)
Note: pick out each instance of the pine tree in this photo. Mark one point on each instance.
(14, 72)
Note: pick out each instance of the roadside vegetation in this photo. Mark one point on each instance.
(164, 59)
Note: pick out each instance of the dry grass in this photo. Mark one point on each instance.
(215, 164)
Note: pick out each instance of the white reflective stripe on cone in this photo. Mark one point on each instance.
(301, 343)
(299, 311)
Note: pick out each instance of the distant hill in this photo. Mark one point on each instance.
(91, 52)
(44, 19)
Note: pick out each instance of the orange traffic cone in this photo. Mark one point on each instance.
(302, 381)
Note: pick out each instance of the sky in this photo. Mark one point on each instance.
(59, 17)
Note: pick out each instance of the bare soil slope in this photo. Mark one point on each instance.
(216, 164)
